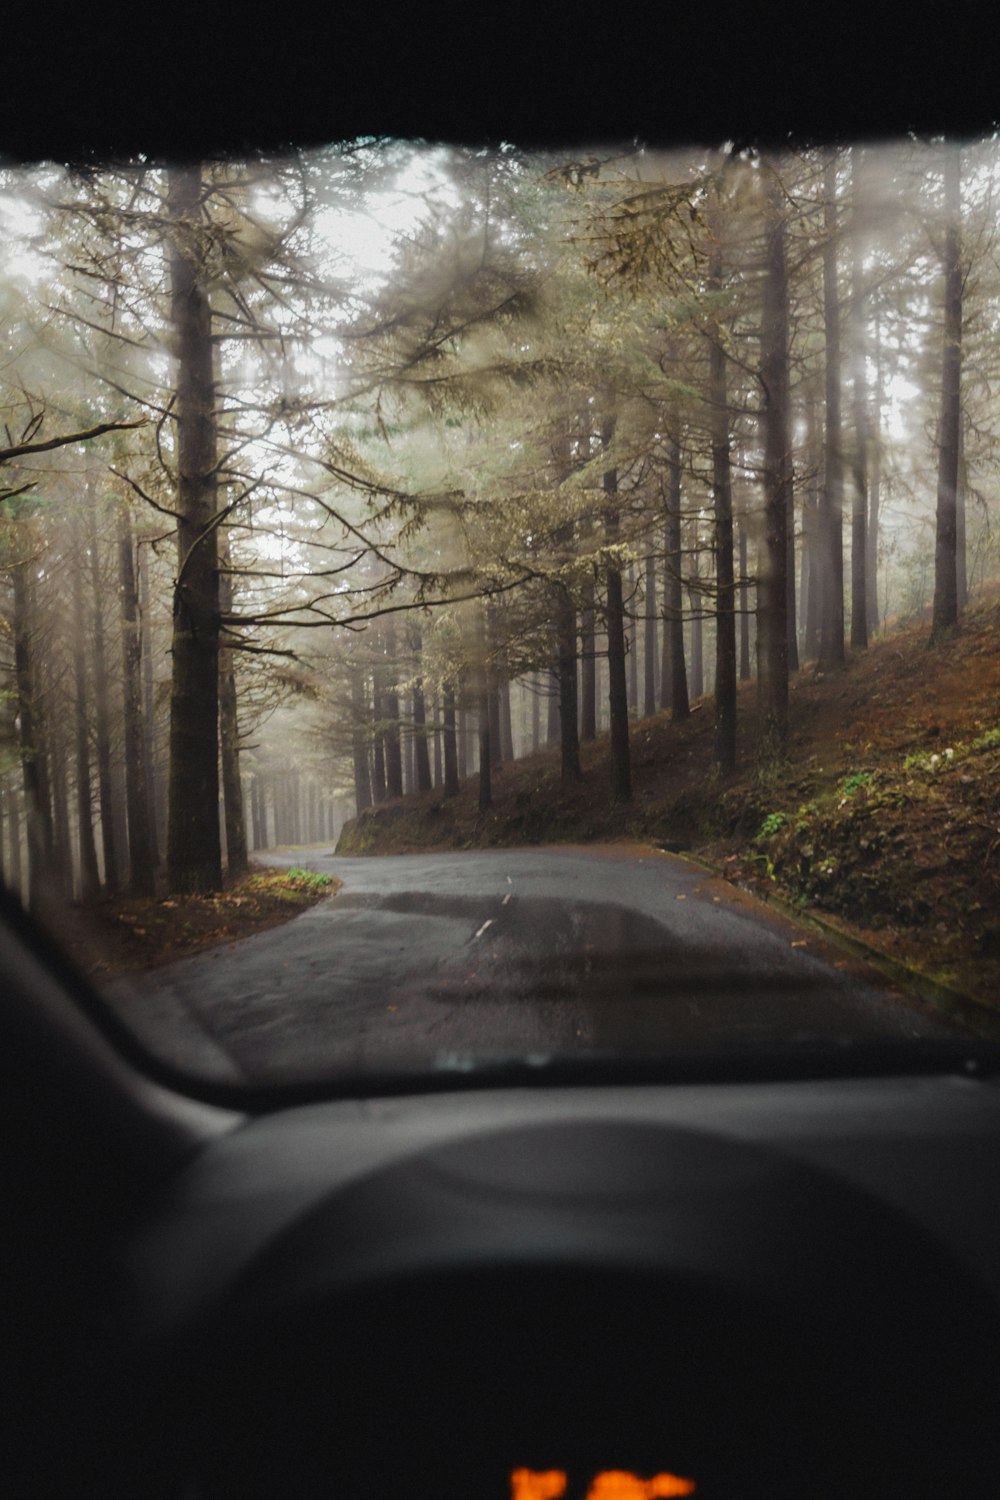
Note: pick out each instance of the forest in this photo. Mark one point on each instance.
(354, 473)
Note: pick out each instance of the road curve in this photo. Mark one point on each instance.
(438, 958)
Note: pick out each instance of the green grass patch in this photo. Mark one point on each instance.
(855, 782)
(312, 880)
(772, 824)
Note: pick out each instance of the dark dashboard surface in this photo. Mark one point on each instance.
(763, 1288)
(767, 1289)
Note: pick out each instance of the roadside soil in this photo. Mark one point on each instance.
(884, 821)
(125, 934)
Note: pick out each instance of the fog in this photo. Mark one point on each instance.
(328, 476)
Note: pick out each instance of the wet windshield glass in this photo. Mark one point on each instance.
(445, 589)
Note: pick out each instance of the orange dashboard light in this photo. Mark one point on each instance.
(526, 1484)
(612, 1484)
(616, 1484)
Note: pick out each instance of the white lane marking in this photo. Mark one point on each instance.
(487, 923)
(509, 881)
(506, 898)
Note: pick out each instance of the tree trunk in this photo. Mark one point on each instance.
(665, 619)
(496, 738)
(90, 880)
(256, 834)
(34, 768)
(631, 642)
(621, 762)
(142, 875)
(506, 727)
(393, 746)
(406, 746)
(295, 790)
(485, 768)
(483, 721)
(16, 858)
(102, 706)
(450, 743)
(564, 626)
(155, 789)
(961, 544)
(552, 703)
(119, 801)
(791, 633)
(649, 636)
(378, 745)
(421, 750)
(697, 681)
(722, 494)
(674, 598)
(810, 596)
(390, 710)
(745, 672)
(277, 789)
(945, 613)
(194, 854)
(58, 756)
(359, 741)
(237, 861)
(813, 553)
(437, 714)
(772, 592)
(588, 666)
(859, 392)
(267, 812)
(569, 734)
(262, 837)
(462, 740)
(874, 489)
(831, 644)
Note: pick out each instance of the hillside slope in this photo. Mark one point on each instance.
(886, 817)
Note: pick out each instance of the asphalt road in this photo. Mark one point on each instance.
(516, 953)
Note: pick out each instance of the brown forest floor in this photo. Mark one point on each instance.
(132, 933)
(886, 819)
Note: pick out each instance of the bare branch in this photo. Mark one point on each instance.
(20, 450)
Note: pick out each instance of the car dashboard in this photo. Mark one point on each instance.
(784, 1287)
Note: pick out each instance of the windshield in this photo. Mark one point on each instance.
(471, 606)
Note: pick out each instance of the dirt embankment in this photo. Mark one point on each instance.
(885, 818)
(130, 933)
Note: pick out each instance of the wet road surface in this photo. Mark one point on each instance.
(509, 953)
